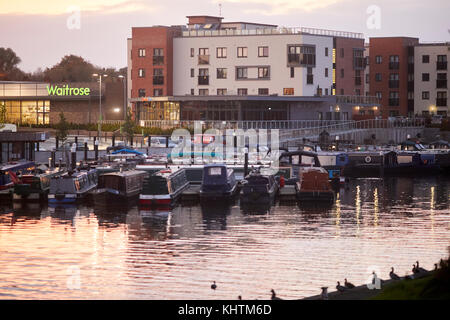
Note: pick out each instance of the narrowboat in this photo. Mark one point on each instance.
(34, 187)
(72, 186)
(313, 185)
(296, 160)
(333, 162)
(119, 186)
(364, 164)
(10, 171)
(258, 188)
(163, 188)
(219, 183)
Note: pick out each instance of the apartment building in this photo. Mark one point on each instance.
(215, 70)
(431, 94)
(391, 74)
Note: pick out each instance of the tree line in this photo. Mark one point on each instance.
(71, 68)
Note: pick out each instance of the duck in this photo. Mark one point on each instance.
(274, 296)
(239, 297)
(393, 275)
(414, 269)
(324, 293)
(214, 286)
(348, 285)
(340, 288)
(435, 266)
(419, 269)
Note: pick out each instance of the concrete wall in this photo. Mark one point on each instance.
(277, 60)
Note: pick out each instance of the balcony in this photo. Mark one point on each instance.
(357, 81)
(158, 60)
(441, 84)
(441, 102)
(203, 80)
(359, 63)
(441, 65)
(394, 65)
(203, 59)
(158, 80)
(309, 79)
(394, 102)
(293, 58)
(394, 84)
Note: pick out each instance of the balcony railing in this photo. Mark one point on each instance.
(441, 102)
(293, 58)
(394, 102)
(394, 65)
(203, 59)
(203, 80)
(158, 60)
(441, 65)
(158, 80)
(394, 84)
(441, 84)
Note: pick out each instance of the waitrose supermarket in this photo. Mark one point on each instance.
(40, 103)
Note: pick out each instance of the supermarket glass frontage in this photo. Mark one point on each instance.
(27, 111)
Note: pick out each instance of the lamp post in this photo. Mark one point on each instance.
(125, 109)
(100, 117)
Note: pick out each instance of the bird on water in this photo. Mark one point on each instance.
(274, 296)
(348, 285)
(419, 269)
(393, 275)
(214, 286)
(340, 288)
(324, 293)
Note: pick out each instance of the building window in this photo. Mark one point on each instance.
(342, 73)
(441, 81)
(158, 77)
(441, 99)
(141, 92)
(425, 95)
(309, 76)
(292, 72)
(157, 92)
(158, 56)
(378, 94)
(342, 92)
(425, 58)
(367, 78)
(221, 52)
(394, 80)
(263, 91)
(221, 73)
(288, 91)
(326, 72)
(263, 51)
(393, 98)
(326, 91)
(301, 55)
(378, 77)
(358, 80)
(141, 73)
(326, 51)
(192, 92)
(263, 73)
(203, 92)
(192, 52)
(242, 92)
(203, 56)
(378, 59)
(394, 63)
(141, 53)
(203, 76)
(241, 73)
(441, 63)
(242, 52)
(192, 72)
(342, 52)
(221, 92)
(358, 59)
(425, 77)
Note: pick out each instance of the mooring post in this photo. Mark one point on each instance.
(96, 149)
(85, 151)
(245, 162)
(74, 156)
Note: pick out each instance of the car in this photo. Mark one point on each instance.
(160, 142)
(68, 146)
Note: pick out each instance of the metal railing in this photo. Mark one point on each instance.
(350, 126)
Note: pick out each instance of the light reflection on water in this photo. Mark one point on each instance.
(373, 224)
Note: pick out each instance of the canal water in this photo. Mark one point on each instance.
(95, 253)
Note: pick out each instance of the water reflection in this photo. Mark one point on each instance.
(131, 252)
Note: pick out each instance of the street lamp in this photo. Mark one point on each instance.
(100, 117)
(125, 110)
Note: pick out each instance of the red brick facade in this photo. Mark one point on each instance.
(347, 67)
(382, 71)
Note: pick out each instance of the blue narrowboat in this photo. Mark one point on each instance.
(218, 183)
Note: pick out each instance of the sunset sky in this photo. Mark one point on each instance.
(37, 30)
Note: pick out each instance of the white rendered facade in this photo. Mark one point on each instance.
(430, 83)
(280, 80)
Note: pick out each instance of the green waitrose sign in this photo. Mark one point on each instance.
(67, 91)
